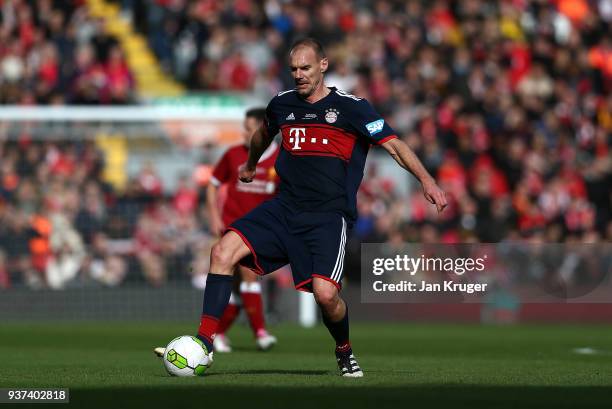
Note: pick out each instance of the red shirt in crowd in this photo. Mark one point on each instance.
(242, 197)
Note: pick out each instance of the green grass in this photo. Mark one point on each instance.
(411, 365)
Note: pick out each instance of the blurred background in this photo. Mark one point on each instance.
(114, 112)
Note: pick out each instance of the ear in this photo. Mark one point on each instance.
(324, 64)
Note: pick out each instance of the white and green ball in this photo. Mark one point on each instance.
(186, 356)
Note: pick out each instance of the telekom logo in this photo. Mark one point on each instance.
(298, 135)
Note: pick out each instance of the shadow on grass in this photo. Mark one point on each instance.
(270, 372)
(353, 396)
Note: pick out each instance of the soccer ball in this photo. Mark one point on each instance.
(187, 356)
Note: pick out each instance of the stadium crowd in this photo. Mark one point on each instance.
(54, 52)
(62, 225)
(508, 103)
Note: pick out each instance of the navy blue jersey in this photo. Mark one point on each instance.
(324, 148)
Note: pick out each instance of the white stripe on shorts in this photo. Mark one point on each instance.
(341, 268)
(337, 272)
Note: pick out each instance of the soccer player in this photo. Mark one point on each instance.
(326, 135)
(241, 198)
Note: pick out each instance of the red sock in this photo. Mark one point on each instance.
(343, 347)
(208, 329)
(229, 316)
(253, 306)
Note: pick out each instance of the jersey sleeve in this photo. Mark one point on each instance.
(371, 125)
(270, 123)
(222, 172)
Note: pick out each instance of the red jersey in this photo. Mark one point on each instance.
(243, 197)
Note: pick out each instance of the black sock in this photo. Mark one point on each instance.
(216, 297)
(340, 331)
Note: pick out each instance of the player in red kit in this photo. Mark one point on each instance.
(242, 198)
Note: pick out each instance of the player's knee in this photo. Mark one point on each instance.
(220, 257)
(326, 297)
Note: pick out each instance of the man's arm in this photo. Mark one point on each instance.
(216, 223)
(406, 158)
(259, 143)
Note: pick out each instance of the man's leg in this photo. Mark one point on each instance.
(223, 258)
(335, 318)
(250, 293)
(221, 342)
(333, 308)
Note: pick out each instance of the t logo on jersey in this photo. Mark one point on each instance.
(297, 135)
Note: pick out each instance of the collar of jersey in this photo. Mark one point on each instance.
(331, 91)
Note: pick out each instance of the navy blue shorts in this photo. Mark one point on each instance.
(312, 243)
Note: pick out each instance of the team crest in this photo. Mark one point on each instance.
(331, 115)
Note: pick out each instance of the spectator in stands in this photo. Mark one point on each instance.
(103, 265)
(67, 253)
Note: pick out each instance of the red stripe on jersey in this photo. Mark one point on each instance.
(388, 138)
(317, 140)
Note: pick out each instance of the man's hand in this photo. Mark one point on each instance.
(434, 194)
(216, 226)
(246, 175)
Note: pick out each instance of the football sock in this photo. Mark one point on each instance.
(340, 331)
(229, 315)
(216, 296)
(253, 306)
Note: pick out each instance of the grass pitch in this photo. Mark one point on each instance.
(111, 365)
